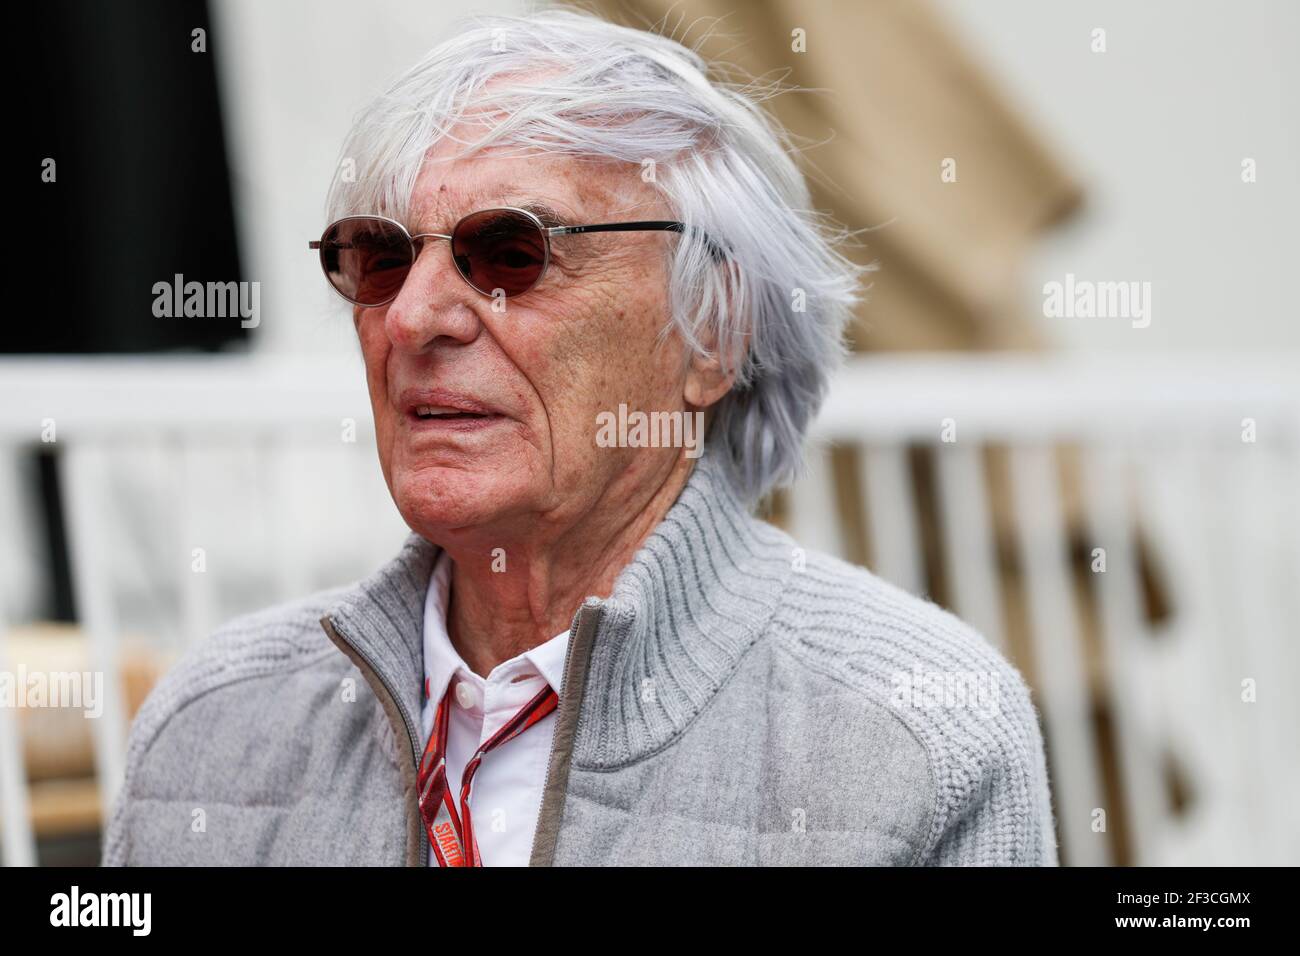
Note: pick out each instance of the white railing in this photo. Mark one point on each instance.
(1160, 442)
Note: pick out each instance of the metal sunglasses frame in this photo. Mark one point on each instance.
(651, 225)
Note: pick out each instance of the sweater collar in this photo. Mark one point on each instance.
(693, 599)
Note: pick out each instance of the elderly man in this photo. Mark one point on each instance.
(589, 651)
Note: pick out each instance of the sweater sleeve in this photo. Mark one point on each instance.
(993, 806)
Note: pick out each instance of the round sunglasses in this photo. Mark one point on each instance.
(501, 251)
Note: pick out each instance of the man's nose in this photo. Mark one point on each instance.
(434, 302)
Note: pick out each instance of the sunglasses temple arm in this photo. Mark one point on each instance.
(656, 225)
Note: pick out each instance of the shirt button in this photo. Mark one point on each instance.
(465, 695)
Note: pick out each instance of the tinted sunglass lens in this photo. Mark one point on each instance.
(365, 259)
(499, 249)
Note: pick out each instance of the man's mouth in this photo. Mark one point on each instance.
(445, 410)
(431, 412)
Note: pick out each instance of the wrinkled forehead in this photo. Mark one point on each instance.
(560, 189)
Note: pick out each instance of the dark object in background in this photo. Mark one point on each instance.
(130, 114)
(132, 119)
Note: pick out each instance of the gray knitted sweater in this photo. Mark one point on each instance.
(734, 701)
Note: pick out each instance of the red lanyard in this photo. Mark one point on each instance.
(450, 834)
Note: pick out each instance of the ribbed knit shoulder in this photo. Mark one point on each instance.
(957, 695)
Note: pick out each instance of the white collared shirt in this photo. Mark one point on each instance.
(507, 791)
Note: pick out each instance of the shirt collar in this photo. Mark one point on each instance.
(441, 659)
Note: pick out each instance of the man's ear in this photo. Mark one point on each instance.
(712, 375)
(707, 380)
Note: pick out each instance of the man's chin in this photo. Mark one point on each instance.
(444, 501)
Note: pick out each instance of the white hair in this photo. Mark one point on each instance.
(567, 82)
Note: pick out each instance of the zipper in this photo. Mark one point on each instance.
(588, 618)
(564, 680)
(412, 740)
